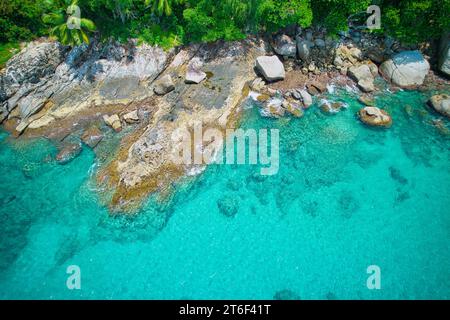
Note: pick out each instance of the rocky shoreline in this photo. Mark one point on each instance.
(141, 95)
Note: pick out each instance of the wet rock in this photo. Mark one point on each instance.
(228, 206)
(164, 85)
(331, 107)
(305, 98)
(406, 69)
(92, 137)
(286, 294)
(374, 116)
(194, 73)
(293, 108)
(273, 108)
(271, 68)
(131, 117)
(315, 88)
(68, 153)
(113, 121)
(366, 100)
(285, 46)
(441, 103)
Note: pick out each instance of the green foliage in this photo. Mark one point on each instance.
(20, 19)
(6, 52)
(334, 14)
(416, 21)
(274, 14)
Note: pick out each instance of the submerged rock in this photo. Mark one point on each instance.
(331, 107)
(68, 153)
(271, 68)
(441, 103)
(286, 294)
(228, 206)
(366, 100)
(374, 116)
(92, 137)
(406, 69)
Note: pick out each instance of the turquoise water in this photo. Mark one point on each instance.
(346, 197)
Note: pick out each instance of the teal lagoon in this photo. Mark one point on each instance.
(346, 197)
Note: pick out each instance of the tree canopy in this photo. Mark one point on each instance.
(172, 22)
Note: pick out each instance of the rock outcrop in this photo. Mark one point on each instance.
(406, 69)
(271, 68)
(146, 161)
(441, 103)
(69, 152)
(46, 73)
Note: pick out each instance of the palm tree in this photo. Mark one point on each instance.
(68, 26)
(161, 7)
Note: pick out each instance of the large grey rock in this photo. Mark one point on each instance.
(406, 69)
(285, 46)
(444, 55)
(271, 68)
(363, 75)
(441, 103)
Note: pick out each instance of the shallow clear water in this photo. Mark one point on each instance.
(346, 197)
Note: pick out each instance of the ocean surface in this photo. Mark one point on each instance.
(346, 197)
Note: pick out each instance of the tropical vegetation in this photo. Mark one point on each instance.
(172, 22)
